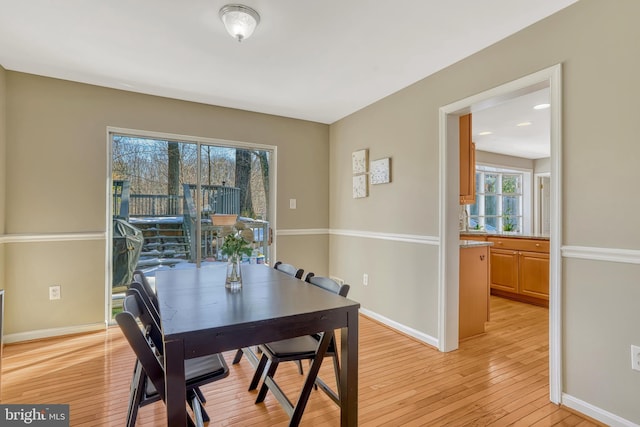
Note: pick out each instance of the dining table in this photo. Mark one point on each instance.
(200, 316)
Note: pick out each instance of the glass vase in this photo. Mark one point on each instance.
(234, 273)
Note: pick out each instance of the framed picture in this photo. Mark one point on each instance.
(359, 161)
(381, 171)
(360, 188)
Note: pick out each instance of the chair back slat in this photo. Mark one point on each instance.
(329, 284)
(289, 269)
(134, 303)
(148, 300)
(138, 276)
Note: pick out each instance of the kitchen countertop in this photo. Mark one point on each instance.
(473, 243)
(510, 236)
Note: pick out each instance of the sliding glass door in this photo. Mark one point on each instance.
(173, 201)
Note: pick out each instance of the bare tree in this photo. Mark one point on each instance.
(243, 181)
(173, 181)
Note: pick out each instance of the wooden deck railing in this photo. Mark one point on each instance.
(215, 199)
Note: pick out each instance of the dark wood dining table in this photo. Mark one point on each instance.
(199, 316)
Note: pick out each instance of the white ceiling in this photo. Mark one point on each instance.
(532, 141)
(313, 60)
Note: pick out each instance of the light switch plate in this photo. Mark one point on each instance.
(292, 203)
(635, 358)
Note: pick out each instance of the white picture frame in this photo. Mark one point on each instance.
(381, 171)
(359, 161)
(360, 187)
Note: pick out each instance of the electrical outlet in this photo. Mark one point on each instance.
(365, 279)
(635, 358)
(54, 292)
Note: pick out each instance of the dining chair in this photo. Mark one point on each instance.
(148, 296)
(299, 348)
(139, 276)
(145, 315)
(147, 384)
(291, 271)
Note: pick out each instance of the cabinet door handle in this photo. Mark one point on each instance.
(481, 257)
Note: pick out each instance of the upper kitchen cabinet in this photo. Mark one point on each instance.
(467, 162)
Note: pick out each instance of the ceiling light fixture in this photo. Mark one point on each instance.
(486, 132)
(541, 106)
(524, 124)
(239, 20)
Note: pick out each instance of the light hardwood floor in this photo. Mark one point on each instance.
(497, 379)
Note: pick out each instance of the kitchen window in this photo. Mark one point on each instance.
(499, 203)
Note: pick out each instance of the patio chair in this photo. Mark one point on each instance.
(300, 348)
(147, 384)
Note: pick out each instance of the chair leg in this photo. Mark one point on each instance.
(299, 362)
(200, 395)
(270, 373)
(135, 395)
(199, 413)
(258, 373)
(336, 370)
(319, 383)
(201, 401)
(238, 356)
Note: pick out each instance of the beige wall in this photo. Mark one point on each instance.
(3, 144)
(57, 167)
(488, 158)
(542, 165)
(594, 41)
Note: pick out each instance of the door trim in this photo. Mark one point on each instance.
(448, 271)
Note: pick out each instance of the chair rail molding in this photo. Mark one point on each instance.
(301, 231)
(409, 238)
(627, 256)
(52, 237)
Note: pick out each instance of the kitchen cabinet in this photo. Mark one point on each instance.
(467, 162)
(534, 274)
(520, 269)
(474, 290)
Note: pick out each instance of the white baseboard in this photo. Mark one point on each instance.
(594, 412)
(421, 336)
(54, 332)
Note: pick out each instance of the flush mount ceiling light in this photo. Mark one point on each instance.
(239, 20)
(541, 106)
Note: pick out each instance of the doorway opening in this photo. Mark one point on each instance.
(449, 210)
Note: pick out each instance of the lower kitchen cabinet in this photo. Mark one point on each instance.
(474, 291)
(504, 270)
(534, 274)
(520, 269)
